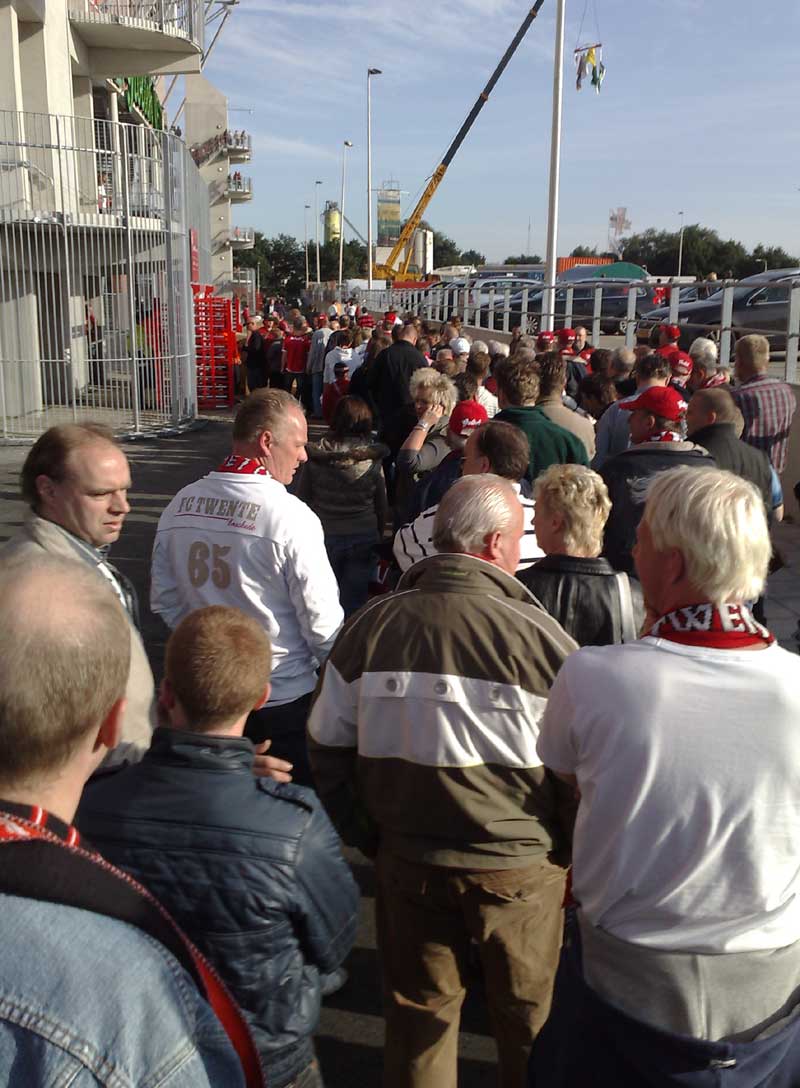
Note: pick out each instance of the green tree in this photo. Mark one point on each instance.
(584, 251)
(280, 263)
(703, 252)
(354, 260)
(472, 256)
(524, 258)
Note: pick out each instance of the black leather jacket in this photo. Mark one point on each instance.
(583, 595)
(251, 869)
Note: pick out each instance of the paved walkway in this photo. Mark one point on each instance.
(350, 1039)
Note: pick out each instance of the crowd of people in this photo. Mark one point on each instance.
(500, 628)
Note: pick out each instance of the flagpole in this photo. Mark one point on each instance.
(548, 309)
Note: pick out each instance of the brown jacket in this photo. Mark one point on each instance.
(583, 428)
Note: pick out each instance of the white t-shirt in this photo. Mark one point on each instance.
(488, 400)
(244, 541)
(334, 356)
(688, 766)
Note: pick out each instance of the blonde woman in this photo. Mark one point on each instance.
(434, 397)
(592, 602)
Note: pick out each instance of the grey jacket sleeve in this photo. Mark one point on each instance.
(434, 448)
(328, 896)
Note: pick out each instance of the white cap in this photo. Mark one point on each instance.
(459, 345)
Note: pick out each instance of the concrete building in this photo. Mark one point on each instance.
(219, 150)
(103, 218)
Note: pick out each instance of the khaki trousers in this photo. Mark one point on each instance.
(426, 918)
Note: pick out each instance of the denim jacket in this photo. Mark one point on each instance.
(88, 1001)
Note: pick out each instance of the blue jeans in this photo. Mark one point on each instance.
(588, 1042)
(352, 557)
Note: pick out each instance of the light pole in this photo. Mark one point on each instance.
(680, 247)
(370, 73)
(316, 219)
(306, 210)
(347, 144)
(548, 308)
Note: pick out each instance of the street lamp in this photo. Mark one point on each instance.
(347, 144)
(306, 210)
(316, 218)
(680, 247)
(370, 73)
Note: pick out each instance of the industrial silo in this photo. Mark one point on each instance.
(332, 221)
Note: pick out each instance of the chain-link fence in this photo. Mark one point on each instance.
(102, 228)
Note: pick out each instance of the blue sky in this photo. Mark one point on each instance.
(698, 112)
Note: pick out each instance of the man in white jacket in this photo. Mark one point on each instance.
(237, 537)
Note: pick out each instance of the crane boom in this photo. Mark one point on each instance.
(389, 270)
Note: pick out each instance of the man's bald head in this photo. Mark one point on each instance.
(64, 664)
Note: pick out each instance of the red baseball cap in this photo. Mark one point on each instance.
(466, 416)
(661, 400)
(681, 365)
(545, 339)
(565, 335)
(672, 332)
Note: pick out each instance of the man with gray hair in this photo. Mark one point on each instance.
(705, 372)
(682, 956)
(422, 740)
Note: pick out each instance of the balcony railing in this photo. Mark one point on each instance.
(239, 146)
(176, 19)
(241, 237)
(236, 145)
(239, 188)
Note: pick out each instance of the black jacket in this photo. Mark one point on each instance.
(251, 869)
(736, 456)
(627, 477)
(583, 595)
(343, 483)
(391, 375)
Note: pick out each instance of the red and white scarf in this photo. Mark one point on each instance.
(727, 627)
(242, 466)
(665, 436)
(716, 379)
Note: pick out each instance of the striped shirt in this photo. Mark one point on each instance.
(767, 405)
(415, 540)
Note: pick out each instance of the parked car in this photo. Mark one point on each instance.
(613, 307)
(760, 304)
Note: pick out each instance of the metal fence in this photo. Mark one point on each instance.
(730, 309)
(243, 286)
(182, 18)
(100, 235)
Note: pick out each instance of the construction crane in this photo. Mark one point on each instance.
(389, 270)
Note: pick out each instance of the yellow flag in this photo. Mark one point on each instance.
(590, 57)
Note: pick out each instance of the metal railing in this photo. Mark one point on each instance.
(237, 187)
(178, 18)
(99, 238)
(761, 305)
(243, 285)
(238, 144)
(241, 237)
